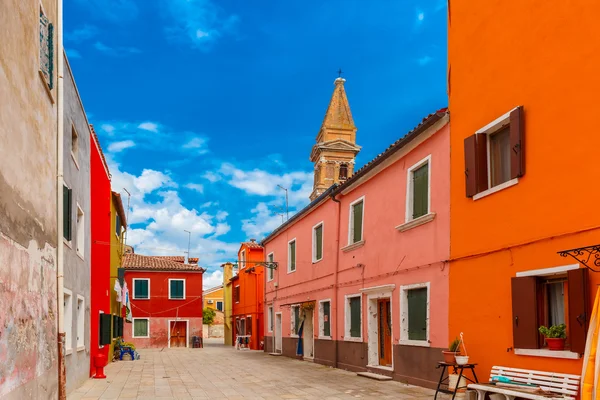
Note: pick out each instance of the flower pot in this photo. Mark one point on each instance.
(555, 344)
(448, 356)
(462, 360)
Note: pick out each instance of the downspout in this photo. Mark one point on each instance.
(62, 373)
(335, 274)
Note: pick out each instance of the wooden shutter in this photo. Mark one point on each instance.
(293, 256)
(319, 242)
(471, 165)
(121, 319)
(482, 162)
(420, 191)
(357, 213)
(105, 329)
(524, 313)
(517, 143)
(355, 314)
(417, 314)
(578, 308)
(326, 319)
(67, 218)
(118, 226)
(115, 326)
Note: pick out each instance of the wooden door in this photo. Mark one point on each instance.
(384, 322)
(178, 334)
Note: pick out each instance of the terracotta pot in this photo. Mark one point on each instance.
(556, 343)
(448, 356)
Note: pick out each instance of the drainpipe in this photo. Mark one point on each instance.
(335, 274)
(62, 379)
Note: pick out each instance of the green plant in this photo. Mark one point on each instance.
(128, 344)
(454, 345)
(554, 332)
(208, 316)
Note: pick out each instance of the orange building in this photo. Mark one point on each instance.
(523, 86)
(248, 292)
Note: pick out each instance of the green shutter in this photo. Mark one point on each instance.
(326, 319)
(141, 289)
(319, 242)
(357, 214)
(67, 219)
(420, 191)
(355, 316)
(51, 55)
(293, 256)
(140, 327)
(271, 271)
(417, 314)
(105, 328)
(115, 326)
(177, 289)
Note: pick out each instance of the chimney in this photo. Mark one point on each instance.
(253, 240)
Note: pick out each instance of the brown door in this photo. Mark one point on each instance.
(178, 334)
(384, 321)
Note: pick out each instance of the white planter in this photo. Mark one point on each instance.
(453, 382)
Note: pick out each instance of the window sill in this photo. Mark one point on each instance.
(68, 243)
(80, 348)
(173, 298)
(353, 246)
(548, 353)
(294, 336)
(496, 188)
(290, 271)
(141, 337)
(75, 160)
(46, 87)
(68, 351)
(317, 261)
(80, 255)
(140, 298)
(416, 222)
(352, 339)
(324, 338)
(416, 343)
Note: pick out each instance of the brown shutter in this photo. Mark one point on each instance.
(482, 162)
(471, 165)
(578, 309)
(517, 143)
(525, 322)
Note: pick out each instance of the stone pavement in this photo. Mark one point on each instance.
(220, 372)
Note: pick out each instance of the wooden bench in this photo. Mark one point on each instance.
(556, 385)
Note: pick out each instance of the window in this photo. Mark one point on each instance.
(249, 325)
(177, 289)
(141, 328)
(105, 329)
(80, 323)
(495, 155)
(219, 305)
(295, 319)
(325, 318)
(67, 199)
(418, 200)
(414, 322)
(46, 50)
(242, 326)
(343, 172)
(353, 318)
(317, 242)
(118, 225)
(115, 326)
(80, 232)
(292, 255)
(236, 294)
(270, 319)
(141, 289)
(74, 145)
(355, 229)
(271, 267)
(243, 259)
(68, 321)
(552, 296)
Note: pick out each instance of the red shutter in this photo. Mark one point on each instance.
(471, 165)
(482, 162)
(524, 313)
(578, 309)
(517, 143)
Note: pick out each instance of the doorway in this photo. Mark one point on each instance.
(384, 331)
(308, 339)
(177, 333)
(278, 347)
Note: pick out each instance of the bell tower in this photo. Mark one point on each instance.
(334, 153)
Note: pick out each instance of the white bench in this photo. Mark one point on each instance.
(567, 386)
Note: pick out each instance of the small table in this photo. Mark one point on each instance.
(444, 381)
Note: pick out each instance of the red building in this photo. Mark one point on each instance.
(100, 252)
(248, 295)
(166, 301)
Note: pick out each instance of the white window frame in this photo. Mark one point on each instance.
(68, 320)
(351, 220)
(133, 328)
(271, 271)
(292, 320)
(75, 154)
(410, 188)
(80, 232)
(175, 279)
(322, 320)
(404, 340)
(347, 315)
(239, 295)
(222, 305)
(80, 339)
(314, 241)
(289, 266)
(133, 283)
(243, 259)
(270, 321)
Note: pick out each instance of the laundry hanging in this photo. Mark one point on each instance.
(119, 291)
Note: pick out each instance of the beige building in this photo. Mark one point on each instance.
(28, 212)
(213, 298)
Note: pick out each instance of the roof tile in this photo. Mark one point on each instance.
(137, 261)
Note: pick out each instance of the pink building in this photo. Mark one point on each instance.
(362, 271)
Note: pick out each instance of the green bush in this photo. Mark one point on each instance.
(208, 316)
(554, 332)
(454, 345)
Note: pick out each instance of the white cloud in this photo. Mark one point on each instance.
(82, 34)
(211, 176)
(148, 126)
(196, 187)
(108, 128)
(221, 229)
(116, 51)
(263, 221)
(117, 147)
(195, 143)
(420, 16)
(222, 215)
(212, 279)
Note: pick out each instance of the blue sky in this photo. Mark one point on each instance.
(203, 107)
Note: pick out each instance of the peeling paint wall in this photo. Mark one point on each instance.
(28, 332)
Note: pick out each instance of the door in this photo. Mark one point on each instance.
(178, 334)
(384, 325)
(278, 333)
(308, 336)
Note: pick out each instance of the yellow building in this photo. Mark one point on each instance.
(118, 226)
(226, 287)
(213, 298)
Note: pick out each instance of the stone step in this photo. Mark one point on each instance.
(274, 354)
(377, 377)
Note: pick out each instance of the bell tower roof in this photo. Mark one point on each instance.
(338, 115)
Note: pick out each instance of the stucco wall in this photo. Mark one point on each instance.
(28, 334)
(159, 332)
(77, 255)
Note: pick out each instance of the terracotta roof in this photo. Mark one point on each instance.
(133, 261)
(120, 209)
(97, 141)
(179, 259)
(214, 289)
(252, 245)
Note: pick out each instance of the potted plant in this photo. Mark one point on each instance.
(451, 352)
(555, 336)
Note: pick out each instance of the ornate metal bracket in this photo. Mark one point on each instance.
(266, 264)
(588, 256)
